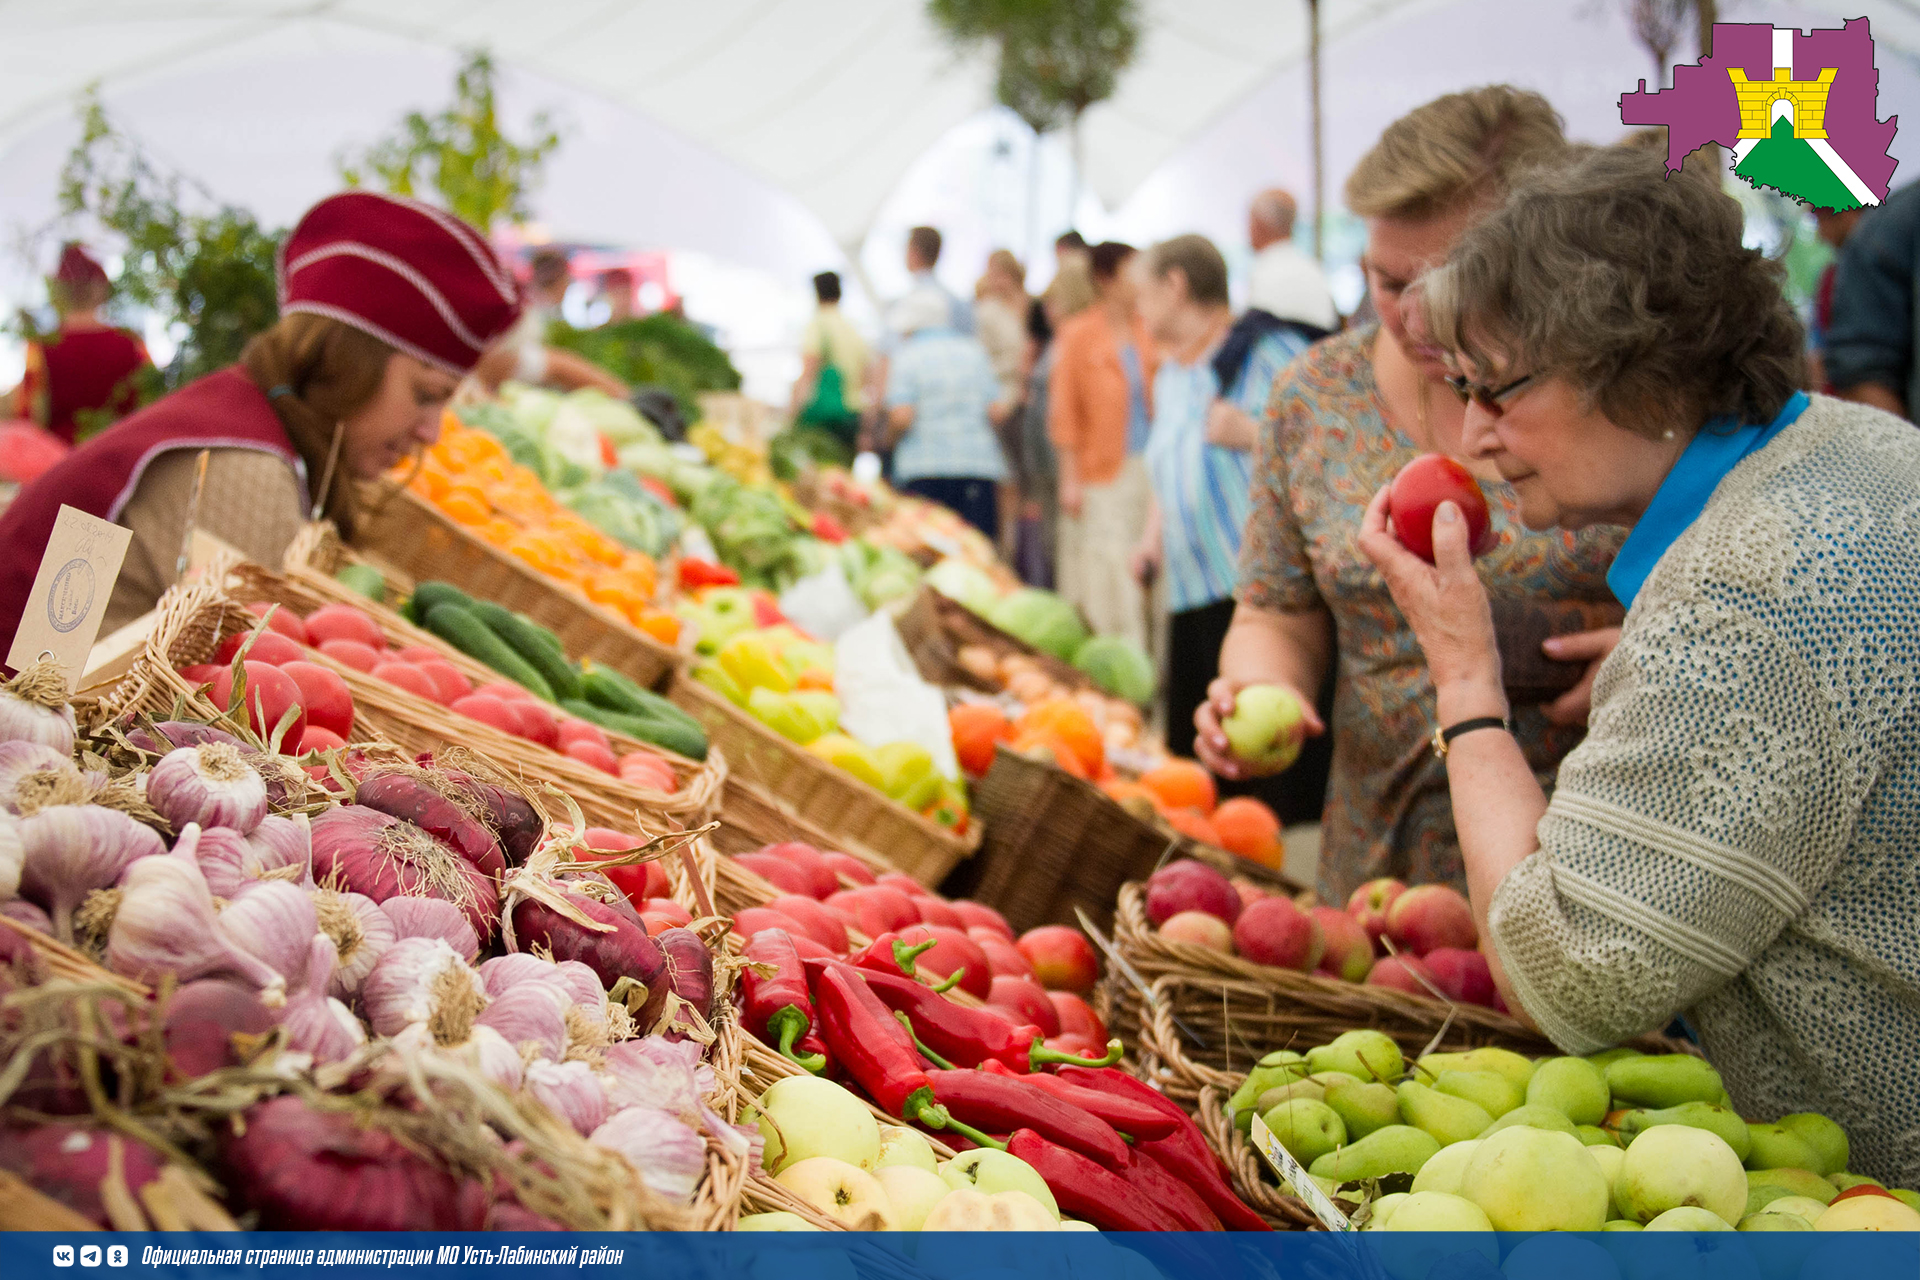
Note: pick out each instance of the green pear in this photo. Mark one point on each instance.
(1380, 1210)
(1572, 1086)
(1536, 1180)
(1489, 1090)
(1672, 1166)
(1701, 1115)
(1444, 1171)
(1594, 1136)
(1515, 1067)
(1533, 1118)
(1609, 1159)
(1398, 1148)
(1306, 1128)
(1621, 1224)
(1848, 1181)
(1328, 1079)
(1607, 1057)
(1275, 1069)
(1798, 1182)
(1774, 1222)
(1446, 1117)
(1772, 1147)
(1688, 1217)
(1365, 1107)
(1664, 1080)
(1292, 1089)
(1828, 1140)
(1370, 1055)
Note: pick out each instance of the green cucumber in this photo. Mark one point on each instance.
(608, 688)
(428, 594)
(469, 635)
(532, 642)
(683, 737)
(365, 579)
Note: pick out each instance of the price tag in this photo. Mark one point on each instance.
(71, 591)
(1292, 1174)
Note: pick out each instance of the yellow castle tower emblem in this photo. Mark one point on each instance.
(1808, 98)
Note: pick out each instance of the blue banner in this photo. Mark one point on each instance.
(929, 1256)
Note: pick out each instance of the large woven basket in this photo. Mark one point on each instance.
(934, 628)
(407, 533)
(853, 815)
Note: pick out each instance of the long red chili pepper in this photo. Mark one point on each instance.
(892, 955)
(1089, 1191)
(1003, 1103)
(696, 573)
(777, 1006)
(869, 1045)
(968, 1037)
(1171, 1194)
(1184, 1153)
(1135, 1119)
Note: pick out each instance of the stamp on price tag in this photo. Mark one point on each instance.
(71, 591)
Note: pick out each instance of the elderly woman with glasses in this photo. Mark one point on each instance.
(1343, 419)
(1738, 838)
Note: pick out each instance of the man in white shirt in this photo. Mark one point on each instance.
(1287, 283)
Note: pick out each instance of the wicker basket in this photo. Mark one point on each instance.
(934, 628)
(1283, 1212)
(411, 536)
(853, 815)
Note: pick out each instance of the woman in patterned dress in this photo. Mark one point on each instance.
(1343, 420)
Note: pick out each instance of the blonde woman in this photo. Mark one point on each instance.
(1343, 420)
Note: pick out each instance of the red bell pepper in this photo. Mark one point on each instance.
(1003, 1103)
(967, 1037)
(1135, 1119)
(869, 1045)
(1184, 1153)
(696, 573)
(827, 529)
(777, 1006)
(766, 610)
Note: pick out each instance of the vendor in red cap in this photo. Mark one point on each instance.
(385, 304)
(85, 377)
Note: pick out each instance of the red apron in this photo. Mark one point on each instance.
(85, 371)
(223, 410)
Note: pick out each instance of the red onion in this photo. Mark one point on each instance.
(689, 969)
(383, 857)
(625, 951)
(305, 1170)
(73, 849)
(68, 1163)
(316, 1023)
(209, 784)
(508, 1215)
(202, 1019)
(432, 918)
(415, 799)
(28, 914)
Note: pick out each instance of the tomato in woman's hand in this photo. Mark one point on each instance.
(344, 622)
(282, 619)
(1418, 491)
(270, 694)
(325, 695)
(352, 653)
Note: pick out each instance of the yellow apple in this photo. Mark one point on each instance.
(779, 1220)
(1868, 1213)
(913, 1192)
(1002, 1211)
(805, 1116)
(900, 1145)
(844, 1192)
(989, 1171)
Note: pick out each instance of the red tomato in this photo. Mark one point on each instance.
(669, 908)
(1077, 1017)
(845, 864)
(351, 653)
(1418, 491)
(644, 769)
(325, 695)
(201, 672)
(821, 924)
(449, 686)
(1026, 999)
(270, 695)
(488, 709)
(269, 646)
(404, 675)
(536, 723)
(419, 653)
(905, 884)
(283, 620)
(344, 622)
(317, 739)
(587, 752)
(572, 731)
(507, 691)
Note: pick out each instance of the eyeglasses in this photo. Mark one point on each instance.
(1489, 398)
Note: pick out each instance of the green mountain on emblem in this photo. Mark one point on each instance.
(1793, 168)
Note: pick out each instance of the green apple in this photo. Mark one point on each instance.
(1267, 726)
(779, 1220)
(988, 1171)
(900, 1145)
(805, 1116)
(1771, 1221)
(1380, 1210)
(1438, 1211)
(913, 1192)
(1803, 1207)
(844, 1192)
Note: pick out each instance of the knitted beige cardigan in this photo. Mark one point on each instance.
(1739, 836)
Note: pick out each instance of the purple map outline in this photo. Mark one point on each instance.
(1701, 106)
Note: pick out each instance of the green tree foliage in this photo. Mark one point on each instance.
(1055, 58)
(460, 154)
(210, 275)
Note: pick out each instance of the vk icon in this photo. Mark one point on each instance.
(89, 1255)
(63, 1255)
(116, 1255)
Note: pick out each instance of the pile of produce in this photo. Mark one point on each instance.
(321, 935)
(1434, 943)
(1489, 1140)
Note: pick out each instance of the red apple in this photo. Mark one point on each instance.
(1274, 931)
(936, 911)
(876, 909)
(1199, 929)
(1398, 972)
(952, 950)
(1002, 956)
(667, 907)
(1864, 1189)
(1431, 916)
(1369, 904)
(821, 924)
(1077, 1017)
(810, 861)
(1027, 1001)
(976, 915)
(777, 871)
(1462, 974)
(1061, 956)
(1349, 952)
(1188, 885)
(849, 866)
(1418, 491)
(1249, 892)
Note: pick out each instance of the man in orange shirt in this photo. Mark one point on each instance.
(1100, 406)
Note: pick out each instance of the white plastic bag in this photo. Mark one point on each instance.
(822, 603)
(882, 697)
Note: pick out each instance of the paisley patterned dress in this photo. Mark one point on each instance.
(1325, 450)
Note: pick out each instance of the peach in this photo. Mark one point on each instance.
(1398, 972)
(1188, 885)
(1369, 903)
(1274, 931)
(1431, 916)
(976, 915)
(1464, 975)
(1061, 956)
(1349, 952)
(1199, 929)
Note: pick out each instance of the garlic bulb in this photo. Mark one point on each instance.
(502, 972)
(166, 924)
(71, 849)
(484, 1049)
(18, 759)
(277, 849)
(433, 918)
(209, 784)
(26, 913)
(361, 934)
(13, 853)
(275, 922)
(532, 1016)
(284, 848)
(33, 708)
(316, 1023)
(423, 980)
(571, 1091)
(583, 983)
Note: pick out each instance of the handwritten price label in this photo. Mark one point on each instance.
(1295, 1176)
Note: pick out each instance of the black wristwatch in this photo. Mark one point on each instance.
(1443, 738)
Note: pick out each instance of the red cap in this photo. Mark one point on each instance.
(77, 267)
(413, 276)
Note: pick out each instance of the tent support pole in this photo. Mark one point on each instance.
(1313, 115)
